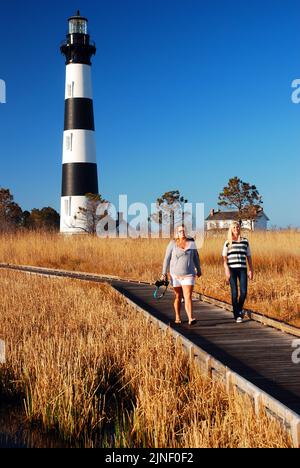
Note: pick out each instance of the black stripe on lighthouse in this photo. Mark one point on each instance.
(79, 114)
(79, 179)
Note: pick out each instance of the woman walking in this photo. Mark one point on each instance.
(183, 260)
(236, 254)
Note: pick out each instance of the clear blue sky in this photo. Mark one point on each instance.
(187, 94)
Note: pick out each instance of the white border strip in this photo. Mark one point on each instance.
(2, 352)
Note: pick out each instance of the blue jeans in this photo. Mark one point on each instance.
(238, 302)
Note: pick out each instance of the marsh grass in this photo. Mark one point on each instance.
(275, 290)
(93, 370)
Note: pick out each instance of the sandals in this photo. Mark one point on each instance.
(192, 322)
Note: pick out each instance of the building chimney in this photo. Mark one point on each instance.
(212, 212)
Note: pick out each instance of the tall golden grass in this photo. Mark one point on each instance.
(89, 366)
(275, 290)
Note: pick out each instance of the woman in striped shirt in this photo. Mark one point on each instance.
(236, 254)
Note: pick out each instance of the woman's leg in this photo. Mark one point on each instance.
(243, 276)
(188, 293)
(177, 303)
(234, 292)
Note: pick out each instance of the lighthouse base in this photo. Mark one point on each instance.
(73, 219)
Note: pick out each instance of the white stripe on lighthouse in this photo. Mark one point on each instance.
(78, 81)
(79, 147)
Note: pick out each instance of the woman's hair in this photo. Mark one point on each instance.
(176, 236)
(229, 237)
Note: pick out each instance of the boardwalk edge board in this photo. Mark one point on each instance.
(213, 368)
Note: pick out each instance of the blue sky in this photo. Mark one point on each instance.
(187, 94)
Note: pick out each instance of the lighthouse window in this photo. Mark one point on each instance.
(71, 89)
(78, 26)
(69, 142)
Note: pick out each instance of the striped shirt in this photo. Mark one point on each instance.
(238, 253)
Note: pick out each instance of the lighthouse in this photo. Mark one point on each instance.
(79, 170)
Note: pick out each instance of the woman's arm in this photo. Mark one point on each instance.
(197, 261)
(250, 263)
(227, 269)
(167, 259)
(225, 258)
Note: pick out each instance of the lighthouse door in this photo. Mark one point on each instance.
(68, 206)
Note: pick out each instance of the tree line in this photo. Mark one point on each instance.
(13, 218)
(241, 196)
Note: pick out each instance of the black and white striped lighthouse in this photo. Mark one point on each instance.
(79, 148)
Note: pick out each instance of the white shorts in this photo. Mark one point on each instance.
(184, 281)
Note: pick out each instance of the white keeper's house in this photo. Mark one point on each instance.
(222, 219)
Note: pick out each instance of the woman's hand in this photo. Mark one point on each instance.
(251, 275)
(199, 274)
(163, 278)
(228, 275)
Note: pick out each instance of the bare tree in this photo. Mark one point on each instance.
(87, 216)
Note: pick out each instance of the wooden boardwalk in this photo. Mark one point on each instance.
(261, 355)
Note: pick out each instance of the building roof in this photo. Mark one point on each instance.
(229, 216)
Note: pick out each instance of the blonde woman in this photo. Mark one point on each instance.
(183, 260)
(237, 254)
